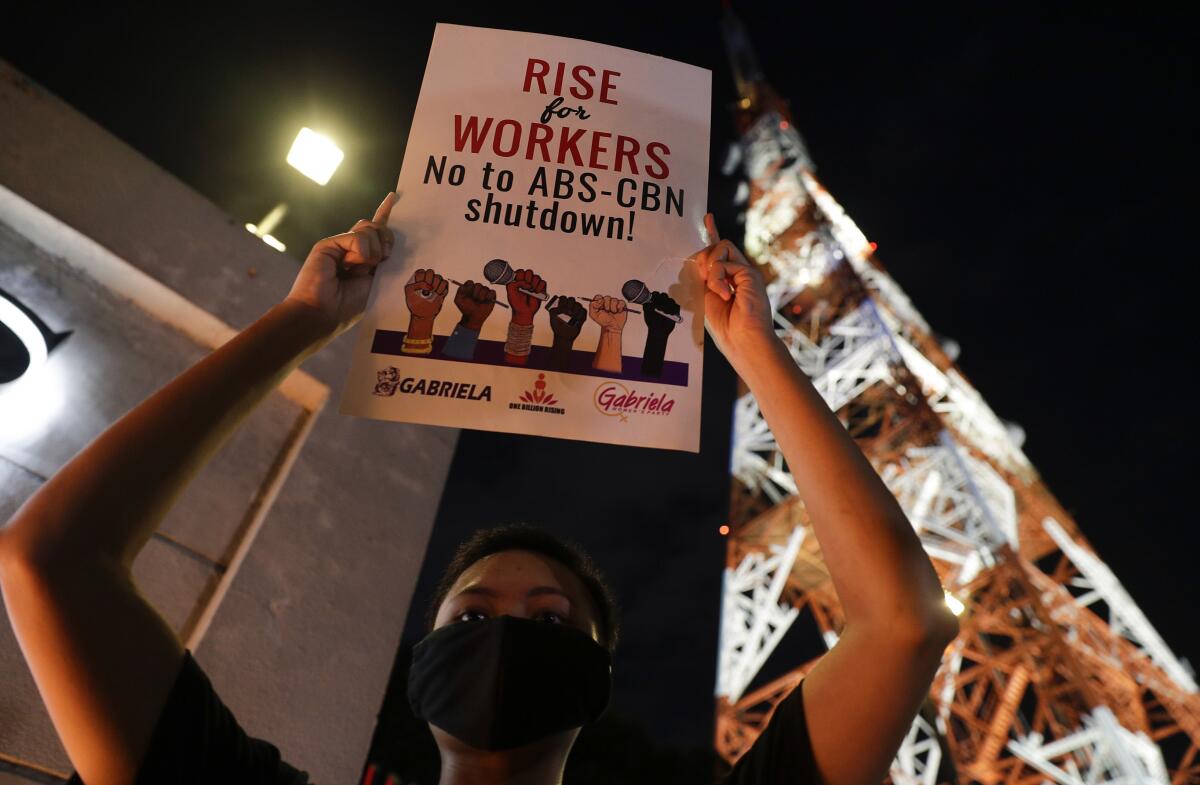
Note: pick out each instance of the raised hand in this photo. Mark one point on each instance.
(476, 302)
(658, 328)
(567, 316)
(610, 314)
(335, 278)
(737, 312)
(524, 306)
(859, 700)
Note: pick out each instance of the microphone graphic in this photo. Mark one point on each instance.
(500, 272)
(494, 302)
(589, 299)
(636, 292)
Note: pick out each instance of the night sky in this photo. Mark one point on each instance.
(1025, 173)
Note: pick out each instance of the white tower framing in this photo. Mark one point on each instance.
(1057, 676)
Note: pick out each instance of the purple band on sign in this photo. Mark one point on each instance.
(492, 353)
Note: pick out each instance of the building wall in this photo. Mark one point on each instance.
(301, 645)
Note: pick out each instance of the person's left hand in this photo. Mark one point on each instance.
(335, 279)
(737, 311)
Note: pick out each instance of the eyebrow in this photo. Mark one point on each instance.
(534, 592)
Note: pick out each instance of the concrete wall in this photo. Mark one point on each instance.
(302, 644)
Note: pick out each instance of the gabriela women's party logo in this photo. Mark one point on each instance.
(614, 399)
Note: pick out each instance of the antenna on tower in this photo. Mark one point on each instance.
(746, 72)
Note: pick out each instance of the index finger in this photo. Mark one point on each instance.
(385, 208)
(710, 226)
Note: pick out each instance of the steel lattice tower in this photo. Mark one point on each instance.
(1056, 676)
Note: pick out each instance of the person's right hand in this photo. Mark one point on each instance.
(424, 294)
(335, 278)
(476, 302)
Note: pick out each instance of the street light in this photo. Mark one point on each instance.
(955, 605)
(316, 157)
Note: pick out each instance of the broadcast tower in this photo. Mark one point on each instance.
(1056, 676)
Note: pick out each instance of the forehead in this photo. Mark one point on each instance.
(519, 569)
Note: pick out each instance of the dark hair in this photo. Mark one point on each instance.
(527, 537)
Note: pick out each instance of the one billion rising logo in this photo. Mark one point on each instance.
(538, 394)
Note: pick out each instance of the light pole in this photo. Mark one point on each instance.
(316, 157)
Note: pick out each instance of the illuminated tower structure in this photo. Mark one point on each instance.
(1056, 676)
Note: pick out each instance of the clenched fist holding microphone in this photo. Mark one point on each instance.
(660, 313)
(525, 294)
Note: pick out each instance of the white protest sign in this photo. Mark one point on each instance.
(550, 194)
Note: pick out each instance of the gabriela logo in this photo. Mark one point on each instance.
(388, 381)
(614, 399)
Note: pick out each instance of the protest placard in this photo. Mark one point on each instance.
(551, 192)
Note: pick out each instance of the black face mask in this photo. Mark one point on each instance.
(505, 682)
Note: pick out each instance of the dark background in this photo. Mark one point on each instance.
(1025, 171)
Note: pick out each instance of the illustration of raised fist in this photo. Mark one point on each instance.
(476, 302)
(657, 311)
(567, 316)
(524, 306)
(424, 293)
(608, 312)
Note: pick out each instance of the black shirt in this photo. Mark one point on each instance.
(782, 754)
(197, 741)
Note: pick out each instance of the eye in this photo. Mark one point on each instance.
(552, 617)
(470, 614)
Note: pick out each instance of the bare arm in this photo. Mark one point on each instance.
(103, 659)
(860, 699)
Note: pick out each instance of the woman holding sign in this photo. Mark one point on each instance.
(518, 657)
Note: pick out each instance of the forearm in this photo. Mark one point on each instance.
(560, 353)
(608, 352)
(879, 569)
(654, 353)
(106, 502)
(461, 343)
(519, 342)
